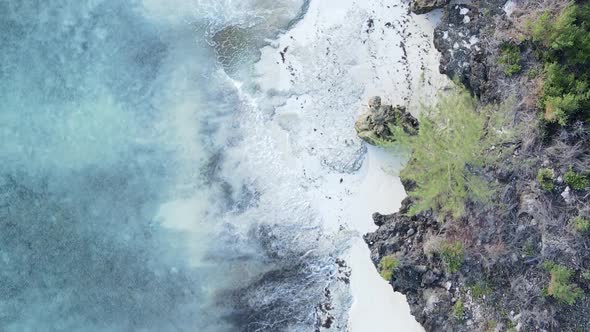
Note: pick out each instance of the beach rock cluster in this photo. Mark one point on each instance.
(375, 124)
(424, 6)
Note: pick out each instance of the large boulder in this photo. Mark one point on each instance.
(424, 6)
(374, 125)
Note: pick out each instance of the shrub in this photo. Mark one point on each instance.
(490, 326)
(563, 94)
(545, 178)
(539, 29)
(534, 73)
(480, 289)
(564, 42)
(586, 275)
(452, 256)
(511, 327)
(565, 33)
(510, 58)
(459, 310)
(581, 224)
(575, 180)
(386, 266)
(445, 151)
(560, 286)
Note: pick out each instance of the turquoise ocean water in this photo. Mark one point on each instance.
(114, 121)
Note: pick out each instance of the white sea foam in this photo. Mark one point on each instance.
(195, 195)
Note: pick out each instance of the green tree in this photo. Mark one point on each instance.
(444, 154)
(560, 286)
(564, 42)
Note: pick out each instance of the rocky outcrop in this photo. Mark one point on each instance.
(376, 123)
(462, 38)
(421, 280)
(424, 6)
(501, 282)
(495, 286)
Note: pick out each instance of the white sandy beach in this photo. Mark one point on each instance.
(375, 306)
(341, 53)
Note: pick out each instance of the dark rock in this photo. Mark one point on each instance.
(461, 39)
(504, 175)
(379, 219)
(429, 278)
(424, 6)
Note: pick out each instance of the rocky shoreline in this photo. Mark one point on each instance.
(500, 279)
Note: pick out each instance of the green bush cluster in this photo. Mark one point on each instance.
(581, 224)
(510, 58)
(545, 178)
(575, 180)
(511, 327)
(490, 326)
(459, 310)
(386, 266)
(452, 255)
(480, 289)
(446, 149)
(560, 286)
(564, 94)
(564, 42)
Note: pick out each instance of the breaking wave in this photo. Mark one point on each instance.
(123, 201)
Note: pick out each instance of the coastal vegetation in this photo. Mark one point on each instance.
(581, 224)
(446, 155)
(575, 180)
(510, 59)
(452, 256)
(459, 310)
(545, 179)
(563, 44)
(480, 289)
(560, 286)
(387, 266)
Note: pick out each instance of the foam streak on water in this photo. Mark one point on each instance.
(113, 120)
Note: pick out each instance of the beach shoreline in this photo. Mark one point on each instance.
(377, 48)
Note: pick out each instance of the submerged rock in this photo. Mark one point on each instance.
(375, 123)
(424, 6)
